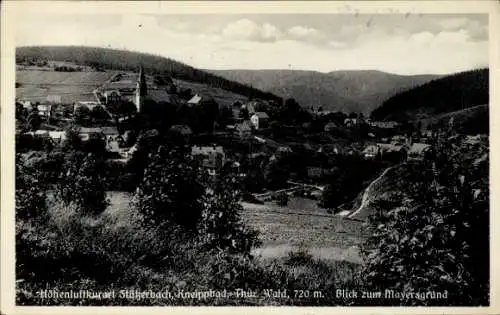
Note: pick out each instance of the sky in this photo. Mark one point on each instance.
(396, 43)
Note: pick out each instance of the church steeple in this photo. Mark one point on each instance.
(140, 90)
(142, 82)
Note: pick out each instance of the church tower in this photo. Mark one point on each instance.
(140, 90)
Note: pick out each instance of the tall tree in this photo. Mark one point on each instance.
(171, 189)
(221, 226)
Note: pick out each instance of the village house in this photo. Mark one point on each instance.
(318, 172)
(44, 110)
(127, 153)
(110, 132)
(57, 136)
(86, 134)
(112, 138)
(331, 126)
(250, 107)
(181, 132)
(354, 122)
(329, 149)
(260, 120)
(198, 100)
(88, 104)
(243, 129)
(124, 87)
(112, 97)
(26, 104)
(210, 157)
(399, 140)
(385, 151)
(384, 124)
(426, 137)
(419, 152)
(473, 140)
(284, 150)
(351, 122)
(371, 152)
(39, 133)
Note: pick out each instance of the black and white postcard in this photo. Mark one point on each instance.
(311, 156)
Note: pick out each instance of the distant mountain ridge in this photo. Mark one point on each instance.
(348, 91)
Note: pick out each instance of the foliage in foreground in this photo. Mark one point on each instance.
(433, 236)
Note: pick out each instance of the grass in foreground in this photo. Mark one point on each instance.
(112, 252)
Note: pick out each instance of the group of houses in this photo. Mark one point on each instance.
(399, 149)
(119, 90)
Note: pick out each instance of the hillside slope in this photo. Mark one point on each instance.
(451, 93)
(349, 91)
(472, 120)
(71, 87)
(471, 150)
(120, 60)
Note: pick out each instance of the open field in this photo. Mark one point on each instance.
(72, 87)
(285, 229)
(62, 78)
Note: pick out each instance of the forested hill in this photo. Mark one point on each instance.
(348, 91)
(114, 59)
(451, 93)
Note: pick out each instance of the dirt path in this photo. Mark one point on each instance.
(366, 194)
